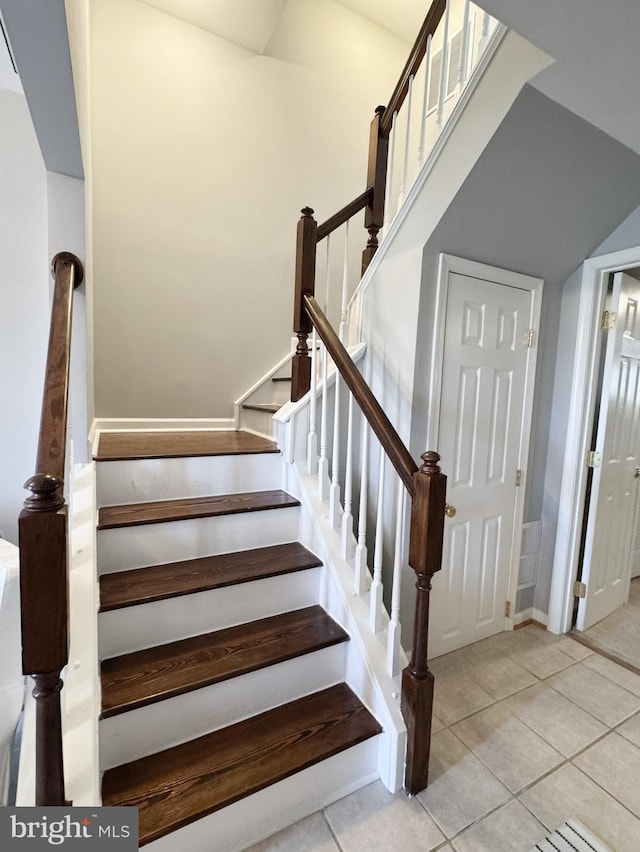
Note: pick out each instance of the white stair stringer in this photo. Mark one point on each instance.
(142, 480)
(275, 807)
(366, 661)
(146, 730)
(123, 548)
(146, 625)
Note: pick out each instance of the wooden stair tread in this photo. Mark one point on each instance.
(144, 677)
(120, 446)
(158, 582)
(269, 407)
(177, 786)
(156, 512)
(281, 379)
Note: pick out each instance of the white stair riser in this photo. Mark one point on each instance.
(155, 544)
(146, 625)
(140, 480)
(158, 726)
(260, 422)
(258, 816)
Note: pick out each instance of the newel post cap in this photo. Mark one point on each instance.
(46, 492)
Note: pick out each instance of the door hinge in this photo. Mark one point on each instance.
(594, 459)
(518, 477)
(531, 338)
(507, 609)
(579, 589)
(608, 320)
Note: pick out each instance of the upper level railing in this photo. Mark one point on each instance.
(402, 135)
(448, 47)
(43, 545)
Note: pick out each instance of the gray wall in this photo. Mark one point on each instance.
(25, 303)
(546, 191)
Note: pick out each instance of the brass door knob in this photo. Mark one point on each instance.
(450, 511)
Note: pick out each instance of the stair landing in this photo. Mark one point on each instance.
(121, 446)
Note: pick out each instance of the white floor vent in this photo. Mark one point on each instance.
(573, 836)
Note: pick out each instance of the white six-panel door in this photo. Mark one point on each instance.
(611, 523)
(487, 369)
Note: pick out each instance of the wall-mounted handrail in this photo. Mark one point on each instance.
(398, 454)
(42, 529)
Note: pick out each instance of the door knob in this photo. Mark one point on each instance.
(450, 511)
(637, 473)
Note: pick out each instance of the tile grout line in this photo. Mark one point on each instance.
(331, 831)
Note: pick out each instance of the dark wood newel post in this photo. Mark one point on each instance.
(305, 286)
(377, 181)
(425, 557)
(42, 530)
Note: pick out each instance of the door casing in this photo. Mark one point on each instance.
(584, 391)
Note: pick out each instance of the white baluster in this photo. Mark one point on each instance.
(486, 27)
(323, 461)
(393, 636)
(405, 163)
(444, 67)
(376, 604)
(361, 567)
(464, 47)
(392, 156)
(347, 518)
(312, 438)
(342, 331)
(334, 488)
(422, 149)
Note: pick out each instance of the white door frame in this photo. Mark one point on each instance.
(593, 291)
(447, 264)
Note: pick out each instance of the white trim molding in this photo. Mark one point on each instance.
(593, 288)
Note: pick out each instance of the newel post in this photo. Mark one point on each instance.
(44, 610)
(377, 180)
(305, 286)
(425, 557)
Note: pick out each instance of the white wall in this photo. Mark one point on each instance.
(25, 302)
(203, 154)
(65, 208)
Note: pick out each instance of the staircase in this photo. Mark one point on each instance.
(225, 710)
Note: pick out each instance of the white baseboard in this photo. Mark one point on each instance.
(530, 614)
(160, 424)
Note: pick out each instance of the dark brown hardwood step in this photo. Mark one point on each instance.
(157, 512)
(270, 408)
(281, 379)
(182, 784)
(144, 677)
(120, 446)
(158, 582)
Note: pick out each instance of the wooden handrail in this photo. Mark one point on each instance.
(42, 530)
(434, 15)
(398, 454)
(343, 215)
(68, 273)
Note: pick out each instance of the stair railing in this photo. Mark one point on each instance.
(426, 488)
(43, 545)
(401, 137)
(449, 45)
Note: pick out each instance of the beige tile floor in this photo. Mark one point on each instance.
(530, 730)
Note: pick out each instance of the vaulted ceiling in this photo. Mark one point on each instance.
(252, 23)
